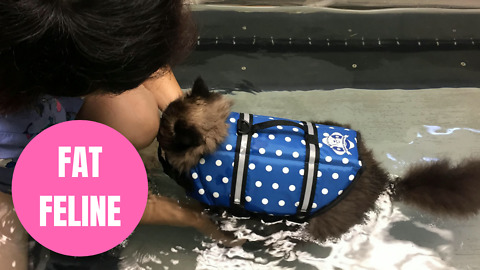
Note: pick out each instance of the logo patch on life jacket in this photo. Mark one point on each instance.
(338, 142)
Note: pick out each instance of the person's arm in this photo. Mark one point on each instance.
(165, 89)
(133, 113)
(166, 211)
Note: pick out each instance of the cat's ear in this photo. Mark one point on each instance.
(186, 136)
(199, 88)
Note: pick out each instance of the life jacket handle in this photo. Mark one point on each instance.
(243, 127)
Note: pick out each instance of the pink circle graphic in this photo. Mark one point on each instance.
(79, 188)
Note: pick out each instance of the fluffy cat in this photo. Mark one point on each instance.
(195, 124)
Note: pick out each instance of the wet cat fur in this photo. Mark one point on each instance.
(195, 124)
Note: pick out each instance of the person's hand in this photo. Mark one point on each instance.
(166, 211)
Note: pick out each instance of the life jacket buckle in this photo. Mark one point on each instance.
(243, 127)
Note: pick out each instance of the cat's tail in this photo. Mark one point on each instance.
(441, 188)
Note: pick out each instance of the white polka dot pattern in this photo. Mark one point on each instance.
(275, 168)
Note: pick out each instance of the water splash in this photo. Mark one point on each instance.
(435, 130)
(365, 246)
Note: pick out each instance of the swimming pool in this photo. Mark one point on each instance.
(413, 100)
(402, 127)
(405, 77)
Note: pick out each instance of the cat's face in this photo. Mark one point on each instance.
(193, 125)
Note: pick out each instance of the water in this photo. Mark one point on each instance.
(402, 127)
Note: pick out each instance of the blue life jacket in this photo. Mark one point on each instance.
(277, 166)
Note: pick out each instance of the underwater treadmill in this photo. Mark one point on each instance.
(257, 49)
(304, 48)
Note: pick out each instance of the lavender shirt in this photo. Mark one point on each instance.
(17, 129)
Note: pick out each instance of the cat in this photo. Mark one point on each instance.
(196, 124)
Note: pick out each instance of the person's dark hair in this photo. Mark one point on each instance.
(76, 47)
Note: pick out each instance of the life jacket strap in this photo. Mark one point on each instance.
(242, 153)
(245, 130)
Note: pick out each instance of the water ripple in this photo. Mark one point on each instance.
(365, 246)
(435, 130)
